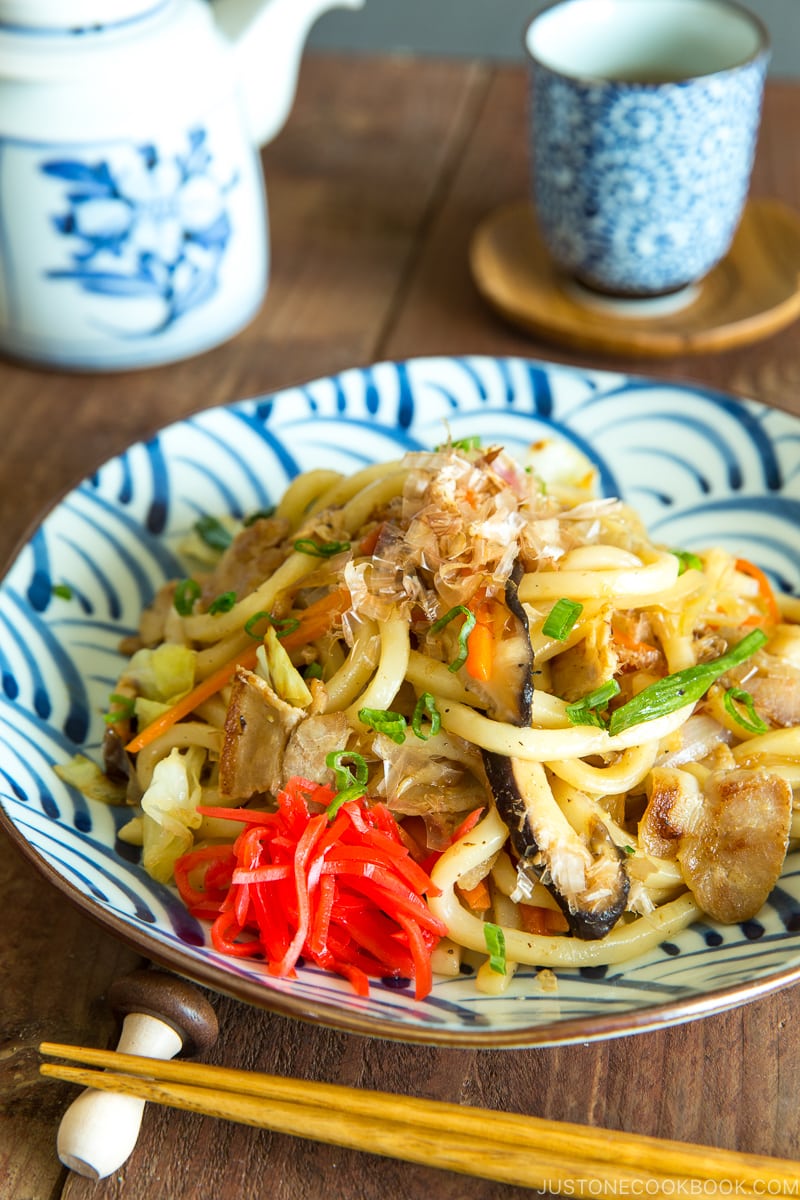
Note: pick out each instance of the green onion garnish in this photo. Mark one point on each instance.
(313, 671)
(383, 720)
(281, 625)
(213, 533)
(467, 443)
(63, 590)
(320, 549)
(686, 560)
(123, 710)
(562, 618)
(496, 945)
(187, 593)
(460, 610)
(349, 786)
(426, 708)
(749, 720)
(258, 514)
(256, 619)
(341, 771)
(583, 711)
(223, 603)
(683, 687)
(354, 792)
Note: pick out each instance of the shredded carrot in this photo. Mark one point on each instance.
(478, 898)
(480, 645)
(368, 543)
(772, 612)
(631, 643)
(198, 695)
(314, 621)
(534, 918)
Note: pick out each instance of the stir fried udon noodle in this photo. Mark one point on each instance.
(585, 741)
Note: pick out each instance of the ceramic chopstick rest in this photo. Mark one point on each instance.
(162, 1016)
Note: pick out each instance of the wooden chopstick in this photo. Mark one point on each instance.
(505, 1147)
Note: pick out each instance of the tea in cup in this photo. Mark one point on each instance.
(644, 120)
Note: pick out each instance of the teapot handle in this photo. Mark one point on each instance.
(267, 39)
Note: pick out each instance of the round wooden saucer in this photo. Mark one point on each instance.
(753, 292)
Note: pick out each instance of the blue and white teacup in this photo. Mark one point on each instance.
(644, 121)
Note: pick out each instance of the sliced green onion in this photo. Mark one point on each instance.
(683, 687)
(460, 610)
(213, 533)
(349, 786)
(687, 560)
(354, 792)
(281, 625)
(123, 710)
(342, 773)
(582, 712)
(561, 618)
(467, 443)
(313, 671)
(250, 626)
(749, 720)
(320, 549)
(252, 517)
(426, 708)
(496, 945)
(284, 625)
(223, 603)
(187, 593)
(383, 720)
(63, 590)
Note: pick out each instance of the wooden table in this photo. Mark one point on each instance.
(385, 168)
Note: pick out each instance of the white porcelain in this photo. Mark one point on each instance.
(644, 119)
(133, 220)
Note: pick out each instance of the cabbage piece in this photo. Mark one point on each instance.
(85, 775)
(564, 469)
(146, 710)
(204, 551)
(275, 666)
(170, 811)
(164, 674)
(132, 832)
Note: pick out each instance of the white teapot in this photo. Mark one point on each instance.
(133, 221)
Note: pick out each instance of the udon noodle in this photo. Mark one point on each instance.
(481, 636)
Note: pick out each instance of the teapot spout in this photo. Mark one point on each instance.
(267, 39)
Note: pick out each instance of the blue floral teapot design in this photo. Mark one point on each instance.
(133, 219)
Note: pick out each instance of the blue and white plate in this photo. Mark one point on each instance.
(702, 468)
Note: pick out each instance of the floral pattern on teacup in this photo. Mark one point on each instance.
(146, 226)
(639, 188)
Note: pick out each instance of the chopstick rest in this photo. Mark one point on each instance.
(161, 1016)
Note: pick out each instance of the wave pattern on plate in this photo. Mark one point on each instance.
(701, 467)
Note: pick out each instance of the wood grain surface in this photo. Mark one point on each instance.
(753, 292)
(375, 187)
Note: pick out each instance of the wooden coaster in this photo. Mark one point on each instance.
(753, 292)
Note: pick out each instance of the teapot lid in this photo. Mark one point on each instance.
(56, 16)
